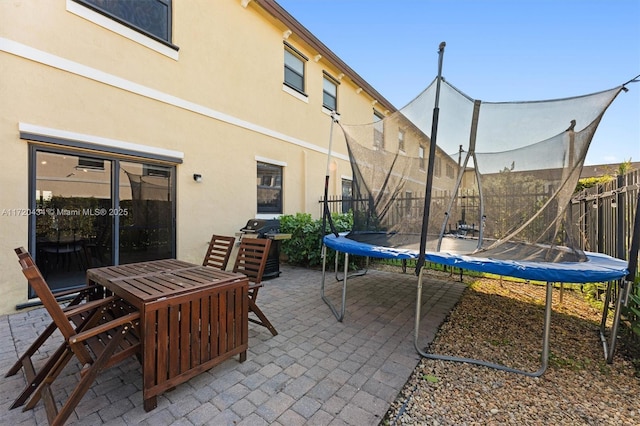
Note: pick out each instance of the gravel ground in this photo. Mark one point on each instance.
(501, 322)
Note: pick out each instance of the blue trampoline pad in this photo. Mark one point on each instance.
(597, 268)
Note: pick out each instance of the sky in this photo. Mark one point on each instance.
(496, 50)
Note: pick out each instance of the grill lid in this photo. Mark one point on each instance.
(261, 226)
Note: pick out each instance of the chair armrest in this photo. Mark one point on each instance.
(126, 319)
(85, 307)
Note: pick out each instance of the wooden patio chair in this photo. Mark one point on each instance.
(78, 295)
(251, 261)
(99, 333)
(219, 251)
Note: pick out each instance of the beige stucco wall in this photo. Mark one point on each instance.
(220, 102)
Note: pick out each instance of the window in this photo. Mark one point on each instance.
(269, 185)
(421, 157)
(294, 69)
(378, 130)
(401, 140)
(329, 93)
(437, 167)
(347, 195)
(150, 17)
(450, 171)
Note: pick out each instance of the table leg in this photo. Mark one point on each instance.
(150, 404)
(148, 359)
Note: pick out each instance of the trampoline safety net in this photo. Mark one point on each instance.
(503, 175)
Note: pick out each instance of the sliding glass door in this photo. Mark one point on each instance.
(78, 200)
(146, 212)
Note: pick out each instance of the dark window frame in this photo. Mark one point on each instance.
(275, 184)
(401, 138)
(290, 71)
(93, 5)
(326, 95)
(378, 133)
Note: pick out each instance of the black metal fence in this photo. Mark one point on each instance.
(605, 214)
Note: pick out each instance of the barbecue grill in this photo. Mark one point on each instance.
(267, 228)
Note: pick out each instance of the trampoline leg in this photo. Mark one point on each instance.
(339, 316)
(545, 338)
(353, 274)
(544, 356)
(623, 294)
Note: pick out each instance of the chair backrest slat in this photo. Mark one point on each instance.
(219, 251)
(39, 285)
(252, 258)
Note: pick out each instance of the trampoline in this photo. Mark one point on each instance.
(597, 268)
(481, 186)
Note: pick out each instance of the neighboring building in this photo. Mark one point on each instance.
(605, 169)
(135, 130)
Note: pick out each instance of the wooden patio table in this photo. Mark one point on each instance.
(192, 317)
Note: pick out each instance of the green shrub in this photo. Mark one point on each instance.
(305, 246)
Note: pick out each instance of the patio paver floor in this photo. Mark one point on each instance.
(316, 371)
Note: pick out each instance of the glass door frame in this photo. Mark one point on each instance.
(115, 160)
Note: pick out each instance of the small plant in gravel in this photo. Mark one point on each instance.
(568, 362)
(500, 342)
(429, 378)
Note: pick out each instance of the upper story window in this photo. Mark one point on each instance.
(150, 17)
(421, 157)
(378, 130)
(401, 140)
(451, 173)
(437, 167)
(329, 93)
(269, 186)
(294, 68)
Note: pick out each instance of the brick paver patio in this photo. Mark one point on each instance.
(317, 371)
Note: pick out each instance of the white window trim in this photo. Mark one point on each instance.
(295, 93)
(268, 216)
(118, 28)
(326, 110)
(270, 161)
